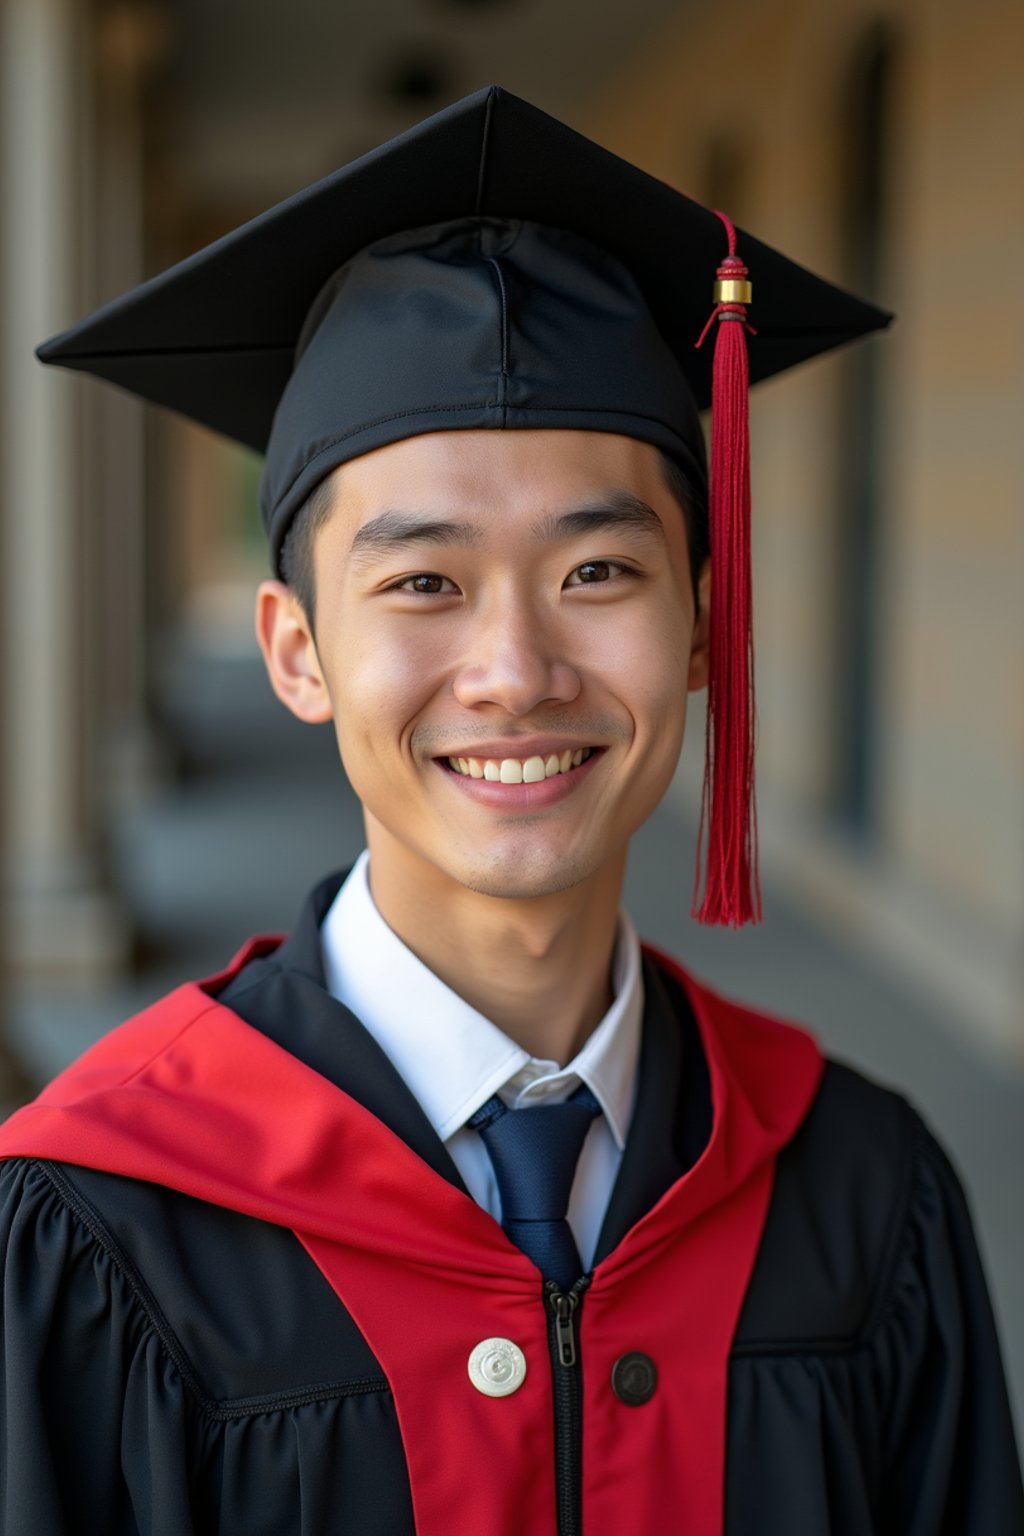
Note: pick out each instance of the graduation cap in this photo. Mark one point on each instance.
(493, 268)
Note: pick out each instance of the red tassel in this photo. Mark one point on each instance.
(732, 893)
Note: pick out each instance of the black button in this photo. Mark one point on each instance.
(634, 1378)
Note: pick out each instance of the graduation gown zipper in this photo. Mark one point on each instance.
(565, 1367)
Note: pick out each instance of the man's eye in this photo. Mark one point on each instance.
(425, 582)
(590, 571)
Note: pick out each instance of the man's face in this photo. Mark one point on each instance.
(494, 607)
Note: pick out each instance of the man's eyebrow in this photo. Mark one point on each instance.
(616, 511)
(393, 529)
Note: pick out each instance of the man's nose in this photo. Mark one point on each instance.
(514, 660)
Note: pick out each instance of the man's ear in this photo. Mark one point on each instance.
(289, 653)
(699, 653)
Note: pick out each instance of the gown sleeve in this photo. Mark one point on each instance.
(952, 1467)
(93, 1431)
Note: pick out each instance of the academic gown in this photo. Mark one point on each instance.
(176, 1366)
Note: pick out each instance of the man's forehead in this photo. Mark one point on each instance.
(492, 468)
(479, 487)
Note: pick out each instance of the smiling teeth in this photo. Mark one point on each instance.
(519, 770)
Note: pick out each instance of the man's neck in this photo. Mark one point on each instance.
(540, 969)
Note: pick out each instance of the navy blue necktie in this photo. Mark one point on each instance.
(534, 1152)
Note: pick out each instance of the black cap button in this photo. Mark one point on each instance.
(634, 1378)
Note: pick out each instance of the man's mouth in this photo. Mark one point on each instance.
(519, 770)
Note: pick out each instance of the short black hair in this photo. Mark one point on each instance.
(297, 549)
(687, 485)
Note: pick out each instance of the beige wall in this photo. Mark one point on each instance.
(941, 890)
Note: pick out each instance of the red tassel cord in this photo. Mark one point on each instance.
(732, 893)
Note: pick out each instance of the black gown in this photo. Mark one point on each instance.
(172, 1368)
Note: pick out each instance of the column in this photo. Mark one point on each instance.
(58, 918)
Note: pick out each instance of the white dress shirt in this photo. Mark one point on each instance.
(453, 1059)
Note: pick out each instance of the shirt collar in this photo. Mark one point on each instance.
(452, 1057)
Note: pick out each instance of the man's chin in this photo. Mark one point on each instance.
(518, 879)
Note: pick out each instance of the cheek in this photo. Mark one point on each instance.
(643, 653)
(645, 660)
(380, 678)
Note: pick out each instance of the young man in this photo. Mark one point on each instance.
(457, 1211)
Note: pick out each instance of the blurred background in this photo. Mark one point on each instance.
(158, 805)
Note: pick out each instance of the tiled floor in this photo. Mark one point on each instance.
(263, 810)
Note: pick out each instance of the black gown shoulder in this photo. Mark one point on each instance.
(866, 1364)
(171, 1368)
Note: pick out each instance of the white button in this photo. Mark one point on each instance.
(497, 1367)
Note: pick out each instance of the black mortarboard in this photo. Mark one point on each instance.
(488, 268)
